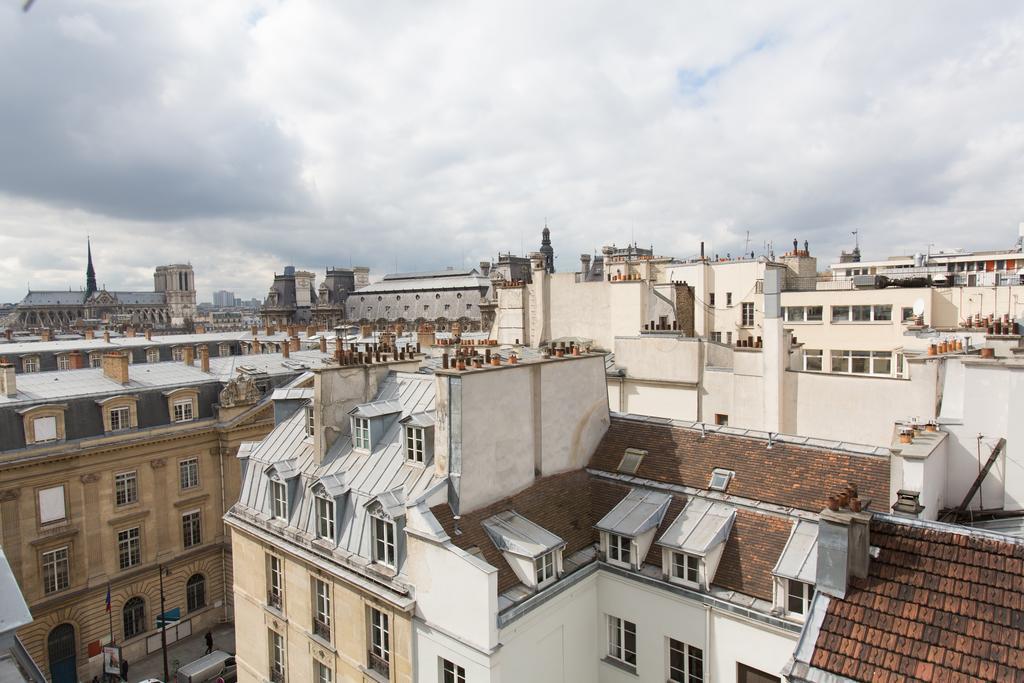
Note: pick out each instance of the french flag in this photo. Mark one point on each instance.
(108, 596)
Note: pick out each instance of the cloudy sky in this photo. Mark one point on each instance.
(244, 136)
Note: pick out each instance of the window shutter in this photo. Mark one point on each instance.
(46, 429)
(51, 504)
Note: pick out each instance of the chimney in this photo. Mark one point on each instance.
(323, 344)
(685, 309)
(89, 334)
(46, 334)
(130, 332)
(149, 334)
(286, 350)
(106, 336)
(204, 358)
(254, 330)
(256, 346)
(8, 380)
(188, 354)
(115, 366)
(310, 331)
(200, 329)
(843, 544)
(75, 360)
(584, 264)
(485, 268)
(9, 334)
(294, 342)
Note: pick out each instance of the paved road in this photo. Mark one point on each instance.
(185, 651)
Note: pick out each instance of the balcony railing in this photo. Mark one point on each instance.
(379, 664)
(321, 629)
(274, 599)
(276, 674)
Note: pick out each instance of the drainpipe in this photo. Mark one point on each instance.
(708, 675)
(223, 561)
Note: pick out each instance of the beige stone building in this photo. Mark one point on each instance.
(108, 474)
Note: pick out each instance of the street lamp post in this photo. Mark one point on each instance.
(163, 624)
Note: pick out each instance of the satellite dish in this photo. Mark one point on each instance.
(919, 307)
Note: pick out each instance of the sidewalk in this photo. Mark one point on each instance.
(185, 651)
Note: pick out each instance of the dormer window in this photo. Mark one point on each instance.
(361, 433)
(153, 355)
(414, 444)
(279, 499)
(63, 361)
(631, 460)
(183, 411)
(324, 517)
(384, 542)
(686, 568)
(177, 353)
(544, 568)
(798, 597)
(30, 364)
(720, 479)
(120, 419)
(796, 571)
(619, 549)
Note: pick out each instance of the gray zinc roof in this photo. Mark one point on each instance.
(640, 511)
(513, 533)
(702, 525)
(799, 559)
(430, 274)
(53, 299)
(377, 408)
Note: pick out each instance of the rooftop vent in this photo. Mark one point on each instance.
(631, 460)
(720, 479)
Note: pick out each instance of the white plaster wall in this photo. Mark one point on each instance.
(455, 592)
(676, 402)
(555, 643)
(663, 358)
(858, 409)
(430, 645)
(573, 411)
(738, 640)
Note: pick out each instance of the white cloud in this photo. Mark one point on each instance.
(244, 136)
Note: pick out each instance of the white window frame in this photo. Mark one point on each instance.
(278, 672)
(322, 608)
(279, 499)
(30, 364)
(686, 569)
(129, 547)
(800, 594)
(619, 631)
(855, 313)
(96, 359)
(385, 550)
(63, 361)
(380, 636)
(48, 497)
(310, 422)
(849, 362)
(620, 547)
(414, 444)
(186, 412)
(120, 418)
(450, 672)
(56, 564)
(191, 528)
(152, 355)
(814, 354)
(747, 314)
(361, 433)
(188, 473)
(177, 353)
(720, 479)
(545, 568)
(325, 517)
(126, 487)
(689, 655)
(275, 579)
(323, 673)
(42, 435)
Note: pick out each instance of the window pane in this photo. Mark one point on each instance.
(861, 313)
(814, 313)
(883, 312)
(840, 361)
(840, 313)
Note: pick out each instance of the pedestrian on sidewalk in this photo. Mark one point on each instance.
(124, 669)
(209, 642)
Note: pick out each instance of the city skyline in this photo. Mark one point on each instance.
(441, 136)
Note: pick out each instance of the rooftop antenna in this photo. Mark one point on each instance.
(746, 248)
(856, 239)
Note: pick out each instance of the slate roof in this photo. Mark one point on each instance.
(941, 603)
(786, 474)
(53, 299)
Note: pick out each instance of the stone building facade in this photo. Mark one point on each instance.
(109, 474)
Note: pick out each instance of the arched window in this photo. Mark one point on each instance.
(195, 592)
(134, 615)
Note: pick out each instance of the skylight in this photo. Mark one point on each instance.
(631, 460)
(720, 479)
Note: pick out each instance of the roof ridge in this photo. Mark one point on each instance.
(946, 527)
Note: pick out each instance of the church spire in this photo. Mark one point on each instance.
(90, 272)
(546, 249)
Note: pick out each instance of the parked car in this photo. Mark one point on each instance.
(217, 664)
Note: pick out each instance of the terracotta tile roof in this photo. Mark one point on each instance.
(937, 605)
(570, 504)
(790, 475)
(559, 503)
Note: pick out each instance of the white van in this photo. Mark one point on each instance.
(208, 668)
